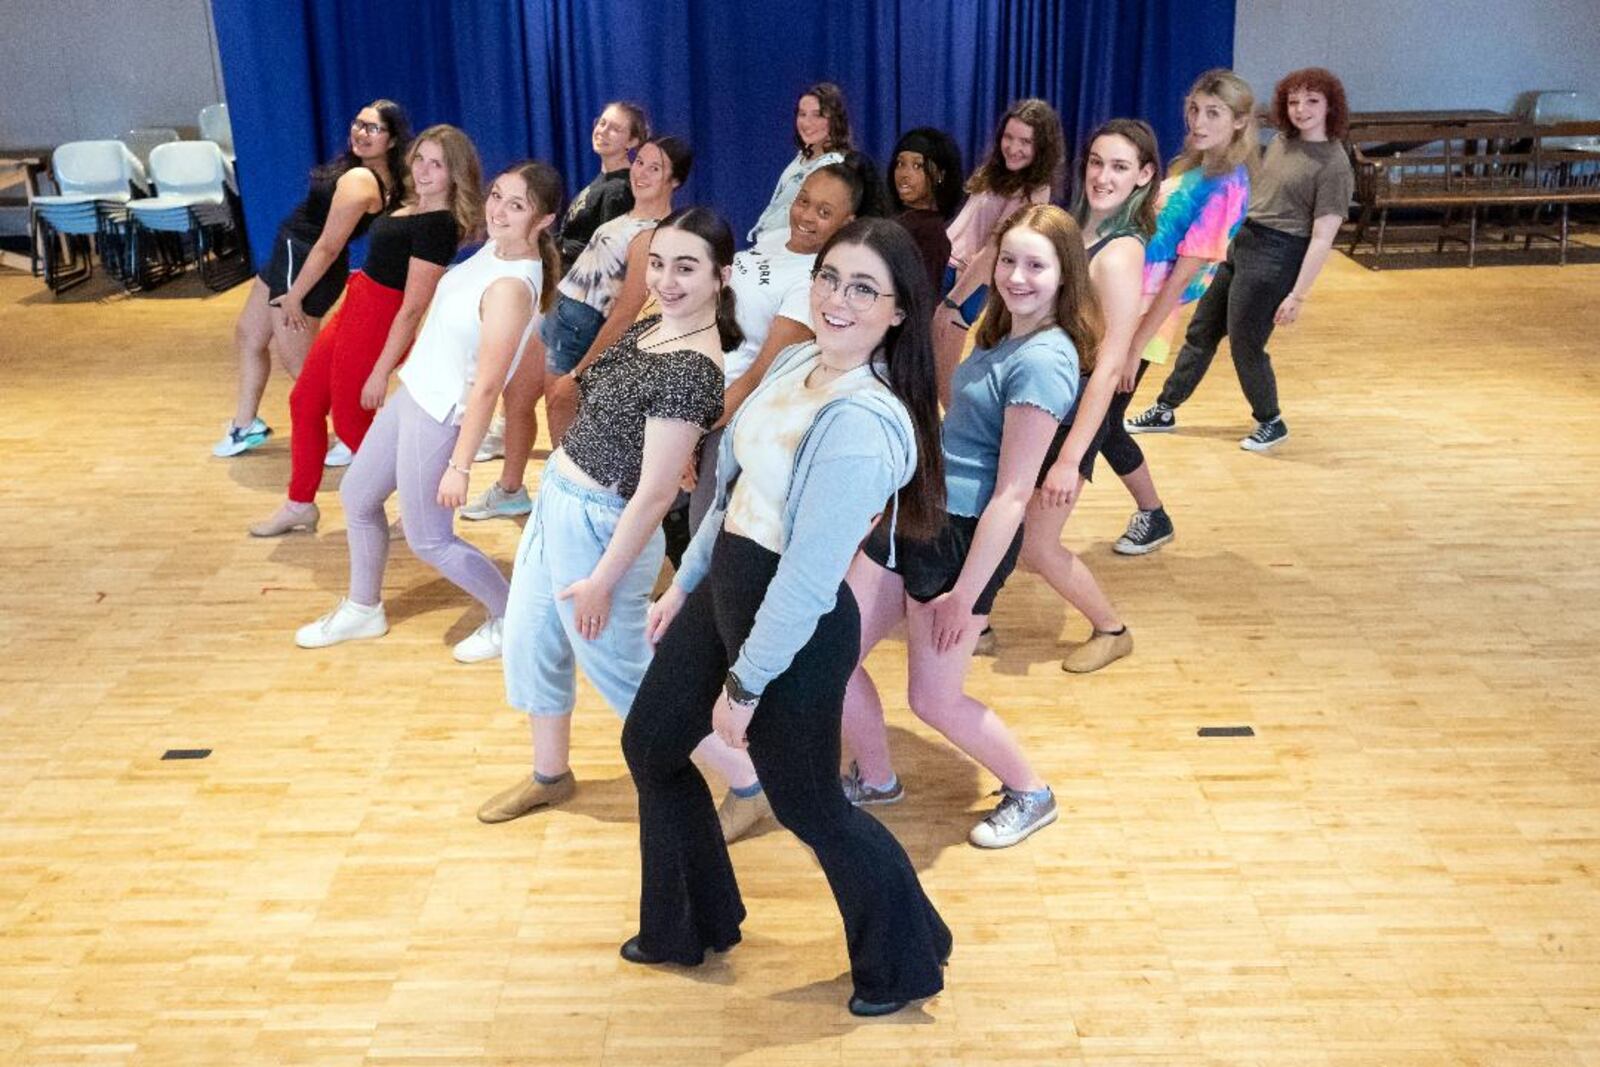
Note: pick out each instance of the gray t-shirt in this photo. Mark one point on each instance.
(1299, 181)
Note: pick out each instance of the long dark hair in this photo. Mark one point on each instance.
(680, 157)
(398, 124)
(908, 361)
(714, 230)
(546, 190)
(1049, 147)
(941, 162)
(831, 99)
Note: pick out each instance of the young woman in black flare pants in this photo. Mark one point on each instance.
(842, 433)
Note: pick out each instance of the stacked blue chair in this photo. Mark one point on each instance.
(196, 204)
(96, 180)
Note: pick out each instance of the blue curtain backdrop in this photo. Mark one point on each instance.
(527, 77)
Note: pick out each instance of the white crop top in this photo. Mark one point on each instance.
(443, 364)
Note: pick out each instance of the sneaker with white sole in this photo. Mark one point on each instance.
(1017, 817)
(494, 442)
(496, 503)
(481, 644)
(1146, 532)
(347, 622)
(1267, 435)
(339, 454)
(236, 441)
(863, 795)
(1157, 418)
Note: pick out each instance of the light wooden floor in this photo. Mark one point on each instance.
(1401, 868)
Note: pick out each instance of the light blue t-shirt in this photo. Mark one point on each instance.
(1040, 369)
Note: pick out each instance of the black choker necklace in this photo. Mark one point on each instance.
(681, 336)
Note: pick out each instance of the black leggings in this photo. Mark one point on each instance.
(689, 900)
(1119, 447)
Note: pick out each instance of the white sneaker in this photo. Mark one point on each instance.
(347, 622)
(494, 442)
(481, 644)
(339, 454)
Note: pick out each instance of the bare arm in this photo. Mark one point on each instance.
(1114, 274)
(625, 308)
(422, 278)
(785, 332)
(1323, 231)
(978, 271)
(668, 444)
(1023, 442)
(506, 310)
(1164, 302)
(356, 194)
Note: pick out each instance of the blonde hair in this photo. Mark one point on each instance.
(1236, 94)
(466, 176)
(1077, 310)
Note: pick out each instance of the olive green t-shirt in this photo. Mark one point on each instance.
(1300, 181)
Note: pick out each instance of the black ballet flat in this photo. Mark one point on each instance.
(870, 1009)
(633, 953)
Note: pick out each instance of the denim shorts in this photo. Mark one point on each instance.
(972, 306)
(566, 535)
(567, 333)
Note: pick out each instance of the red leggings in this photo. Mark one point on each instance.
(338, 365)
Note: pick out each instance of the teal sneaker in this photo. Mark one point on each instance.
(236, 441)
(496, 503)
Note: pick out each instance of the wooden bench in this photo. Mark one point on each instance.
(1464, 169)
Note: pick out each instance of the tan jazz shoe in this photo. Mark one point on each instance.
(1101, 650)
(739, 815)
(527, 795)
(290, 516)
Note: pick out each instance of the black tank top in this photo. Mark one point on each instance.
(306, 221)
(431, 236)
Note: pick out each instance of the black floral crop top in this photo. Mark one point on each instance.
(625, 387)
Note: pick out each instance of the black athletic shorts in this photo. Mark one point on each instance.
(930, 568)
(288, 256)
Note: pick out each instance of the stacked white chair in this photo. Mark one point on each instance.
(95, 179)
(194, 198)
(142, 140)
(215, 126)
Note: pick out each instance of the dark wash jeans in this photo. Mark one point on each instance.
(1259, 273)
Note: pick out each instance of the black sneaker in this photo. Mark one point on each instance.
(1266, 436)
(1157, 418)
(1146, 532)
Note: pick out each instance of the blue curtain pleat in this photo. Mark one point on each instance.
(526, 77)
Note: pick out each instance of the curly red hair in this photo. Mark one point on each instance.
(1317, 80)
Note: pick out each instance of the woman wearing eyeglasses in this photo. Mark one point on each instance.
(841, 434)
(311, 261)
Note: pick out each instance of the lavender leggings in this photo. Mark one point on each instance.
(407, 450)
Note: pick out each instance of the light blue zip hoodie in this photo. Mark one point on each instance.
(861, 449)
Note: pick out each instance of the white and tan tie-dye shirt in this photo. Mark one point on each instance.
(765, 441)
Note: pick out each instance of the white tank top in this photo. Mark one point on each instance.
(443, 364)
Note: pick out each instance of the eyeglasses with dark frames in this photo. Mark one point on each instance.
(858, 296)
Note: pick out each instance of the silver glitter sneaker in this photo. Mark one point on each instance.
(1017, 816)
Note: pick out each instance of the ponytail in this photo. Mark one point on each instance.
(727, 320)
(550, 262)
(546, 191)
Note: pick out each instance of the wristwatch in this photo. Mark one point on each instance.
(737, 693)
